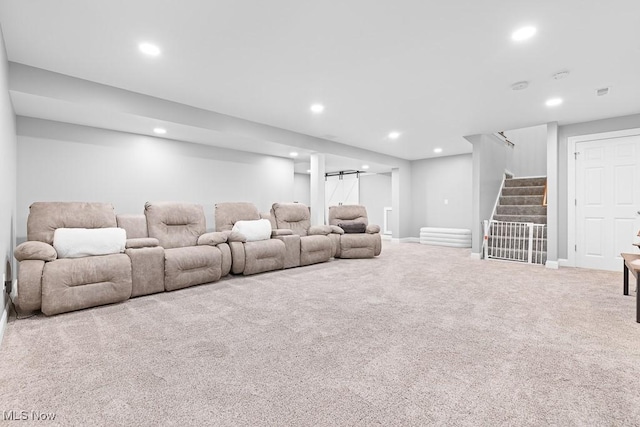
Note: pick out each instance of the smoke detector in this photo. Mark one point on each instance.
(520, 85)
(602, 91)
(560, 75)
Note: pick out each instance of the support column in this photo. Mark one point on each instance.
(552, 195)
(317, 200)
(401, 222)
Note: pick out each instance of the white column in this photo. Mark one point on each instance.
(401, 223)
(552, 195)
(317, 200)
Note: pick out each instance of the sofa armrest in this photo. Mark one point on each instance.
(35, 251)
(281, 232)
(235, 236)
(336, 230)
(141, 242)
(373, 229)
(212, 239)
(321, 230)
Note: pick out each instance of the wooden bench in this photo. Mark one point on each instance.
(632, 264)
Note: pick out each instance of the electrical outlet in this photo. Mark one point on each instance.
(6, 283)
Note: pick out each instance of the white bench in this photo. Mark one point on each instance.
(454, 237)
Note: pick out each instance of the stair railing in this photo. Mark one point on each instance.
(495, 205)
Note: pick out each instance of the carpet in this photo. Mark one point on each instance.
(422, 335)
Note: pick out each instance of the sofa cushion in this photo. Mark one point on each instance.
(353, 227)
(74, 284)
(46, 217)
(294, 216)
(347, 213)
(259, 229)
(228, 213)
(175, 225)
(82, 242)
(192, 265)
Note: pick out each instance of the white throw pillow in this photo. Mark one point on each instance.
(81, 242)
(259, 229)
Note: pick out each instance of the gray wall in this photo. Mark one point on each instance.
(64, 162)
(301, 188)
(529, 155)
(375, 195)
(7, 180)
(564, 132)
(439, 179)
(489, 163)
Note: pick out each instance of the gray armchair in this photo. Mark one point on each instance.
(53, 284)
(364, 244)
(248, 257)
(313, 245)
(191, 255)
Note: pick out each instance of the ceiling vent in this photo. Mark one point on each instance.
(602, 91)
(520, 85)
(561, 75)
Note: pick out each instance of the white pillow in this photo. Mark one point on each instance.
(81, 242)
(259, 229)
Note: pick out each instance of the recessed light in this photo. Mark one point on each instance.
(553, 102)
(159, 131)
(394, 135)
(308, 170)
(365, 167)
(317, 108)
(437, 150)
(149, 49)
(523, 33)
(293, 154)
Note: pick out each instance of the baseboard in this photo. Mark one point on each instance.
(563, 262)
(476, 255)
(406, 240)
(385, 237)
(553, 265)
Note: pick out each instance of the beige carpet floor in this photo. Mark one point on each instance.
(422, 335)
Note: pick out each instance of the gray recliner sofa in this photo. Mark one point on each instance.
(249, 257)
(364, 244)
(308, 244)
(191, 255)
(53, 284)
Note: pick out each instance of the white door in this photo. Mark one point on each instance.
(342, 191)
(607, 201)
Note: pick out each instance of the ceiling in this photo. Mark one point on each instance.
(433, 71)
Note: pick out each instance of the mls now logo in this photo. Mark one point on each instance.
(28, 415)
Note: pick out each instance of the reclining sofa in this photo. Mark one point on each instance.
(249, 236)
(80, 255)
(353, 236)
(191, 255)
(54, 281)
(306, 244)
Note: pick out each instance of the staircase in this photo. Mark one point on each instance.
(521, 201)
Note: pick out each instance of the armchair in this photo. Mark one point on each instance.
(191, 255)
(248, 256)
(314, 244)
(364, 244)
(56, 283)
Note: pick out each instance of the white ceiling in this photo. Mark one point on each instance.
(435, 71)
